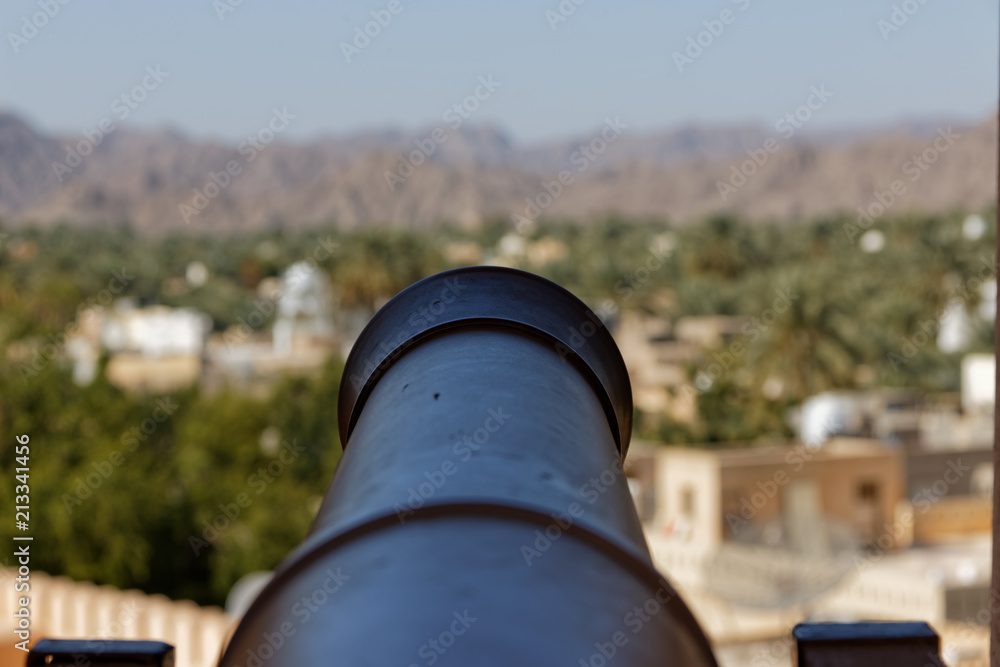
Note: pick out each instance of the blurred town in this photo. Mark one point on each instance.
(793, 243)
(814, 412)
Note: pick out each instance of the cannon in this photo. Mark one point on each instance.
(480, 514)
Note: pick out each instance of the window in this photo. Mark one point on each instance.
(687, 501)
(868, 491)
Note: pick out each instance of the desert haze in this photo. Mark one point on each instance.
(161, 181)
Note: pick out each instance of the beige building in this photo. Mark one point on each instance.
(759, 539)
(155, 349)
(659, 356)
(707, 497)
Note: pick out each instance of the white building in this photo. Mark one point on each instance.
(156, 331)
(305, 307)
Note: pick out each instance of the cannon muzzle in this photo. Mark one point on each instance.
(480, 514)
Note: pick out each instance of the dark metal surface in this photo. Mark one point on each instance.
(480, 514)
(886, 644)
(106, 652)
(489, 295)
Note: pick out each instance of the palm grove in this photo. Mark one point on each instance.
(174, 494)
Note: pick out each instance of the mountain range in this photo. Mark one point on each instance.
(162, 181)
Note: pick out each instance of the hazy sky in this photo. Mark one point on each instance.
(607, 58)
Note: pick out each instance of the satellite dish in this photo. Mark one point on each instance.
(786, 561)
(767, 571)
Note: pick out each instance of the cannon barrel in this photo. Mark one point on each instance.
(480, 514)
